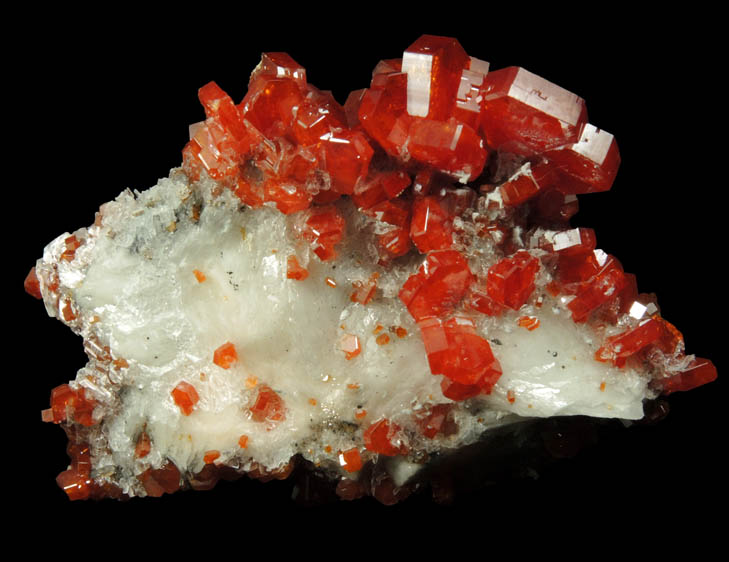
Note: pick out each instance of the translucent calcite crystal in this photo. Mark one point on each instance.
(355, 288)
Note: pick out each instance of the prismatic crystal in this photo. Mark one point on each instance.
(357, 289)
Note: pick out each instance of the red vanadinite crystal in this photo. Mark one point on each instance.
(185, 396)
(468, 98)
(449, 146)
(268, 406)
(270, 109)
(577, 241)
(143, 446)
(294, 270)
(434, 420)
(159, 481)
(654, 330)
(618, 348)
(364, 291)
(211, 456)
(288, 196)
(457, 391)
(575, 269)
(350, 460)
(65, 399)
(525, 114)
(225, 355)
(32, 284)
(456, 351)
(529, 322)
(432, 226)
(433, 66)
(395, 242)
(383, 437)
(323, 229)
(590, 164)
(527, 182)
(316, 117)
(61, 397)
(72, 244)
(83, 408)
(621, 302)
(347, 156)
(598, 288)
(394, 183)
(383, 111)
(349, 344)
(478, 299)
(76, 481)
(218, 105)
(701, 371)
(510, 282)
(277, 65)
(439, 285)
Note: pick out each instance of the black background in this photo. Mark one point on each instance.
(101, 102)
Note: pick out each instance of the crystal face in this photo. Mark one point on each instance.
(417, 225)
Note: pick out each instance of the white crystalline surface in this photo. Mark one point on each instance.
(131, 288)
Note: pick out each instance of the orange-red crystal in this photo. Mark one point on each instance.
(159, 481)
(294, 270)
(350, 460)
(701, 371)
(32, 284)
(456, 350)
(66, 400)
(268, 406)
(323, 228)
(438, 286)
(510, 282)
(383, 437)
(225, 355)
(349, 344)
(185, 396)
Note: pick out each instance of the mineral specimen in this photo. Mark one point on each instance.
(362, 289)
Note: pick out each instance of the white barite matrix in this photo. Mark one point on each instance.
(132, 287)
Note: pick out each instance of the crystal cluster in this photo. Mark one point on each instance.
(357, 288)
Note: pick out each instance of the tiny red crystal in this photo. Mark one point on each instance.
(364, 291)
(349, 344)
(350, 460)
(144, 445)
(324, 229)
(268, 406)
(225, 355)
(211, 456)
(294, 270)
(185, 396)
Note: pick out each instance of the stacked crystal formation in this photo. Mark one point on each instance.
(359, 288)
